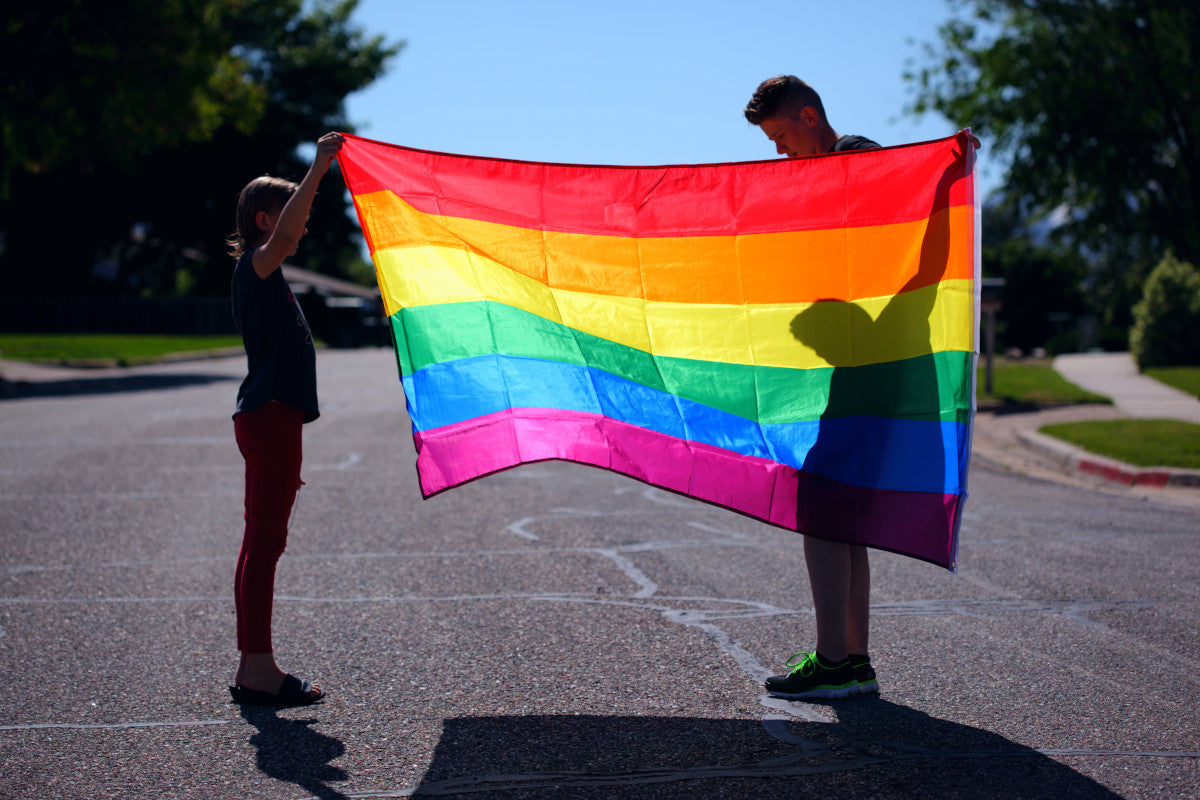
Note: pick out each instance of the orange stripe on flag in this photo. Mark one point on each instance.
(796, 266)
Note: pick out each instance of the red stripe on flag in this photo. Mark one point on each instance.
(860, 188)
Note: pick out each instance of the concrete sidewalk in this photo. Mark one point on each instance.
(1115, 376)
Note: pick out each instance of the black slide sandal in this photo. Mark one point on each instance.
(293, 692)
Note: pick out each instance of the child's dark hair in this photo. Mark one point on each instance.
(261, 194)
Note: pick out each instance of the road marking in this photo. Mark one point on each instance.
(518, 528)
(634, 574)
(77, 726)
(349, 462)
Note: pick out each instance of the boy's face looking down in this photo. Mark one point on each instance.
(794, 135)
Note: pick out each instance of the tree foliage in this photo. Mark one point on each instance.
(1097, 107)
(89, 83)
(133, 124)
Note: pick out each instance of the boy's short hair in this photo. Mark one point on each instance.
(783, 94)
(261, 194)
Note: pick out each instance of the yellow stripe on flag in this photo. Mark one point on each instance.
(868, 331)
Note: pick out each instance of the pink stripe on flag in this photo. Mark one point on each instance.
(454, 454)
(912, 523)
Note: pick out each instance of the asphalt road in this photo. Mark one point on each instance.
(554, 631)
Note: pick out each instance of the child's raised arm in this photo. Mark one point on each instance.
(286, 229)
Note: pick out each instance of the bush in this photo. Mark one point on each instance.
(1166, 321)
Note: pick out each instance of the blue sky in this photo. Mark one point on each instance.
(626, 82)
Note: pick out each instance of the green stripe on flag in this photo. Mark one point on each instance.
(433, 334)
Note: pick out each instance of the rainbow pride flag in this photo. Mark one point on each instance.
(792, 339)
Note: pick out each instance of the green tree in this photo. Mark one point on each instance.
(91, 83)
(159, 147)
(1096, 106)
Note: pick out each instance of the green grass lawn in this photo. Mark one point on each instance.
(1141, 442)
(1185, 379)
(1029, 383)
(114, 349)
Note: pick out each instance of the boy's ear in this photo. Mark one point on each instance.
(263, 220)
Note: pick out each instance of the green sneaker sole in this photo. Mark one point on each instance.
(819, 692)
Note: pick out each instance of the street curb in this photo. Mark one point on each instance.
(1079, 460)
(14, 371)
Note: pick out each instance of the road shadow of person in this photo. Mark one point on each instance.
(877, 749)
(867, 478)
(291, 751)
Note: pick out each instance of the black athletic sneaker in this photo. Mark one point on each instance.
(864, 674)
(808, 677)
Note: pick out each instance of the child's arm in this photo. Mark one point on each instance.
(289, 227)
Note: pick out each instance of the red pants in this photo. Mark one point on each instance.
(269, 438)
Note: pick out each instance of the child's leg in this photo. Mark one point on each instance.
(270, 440)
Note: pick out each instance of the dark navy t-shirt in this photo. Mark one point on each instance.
(281, 358)
(853, 143)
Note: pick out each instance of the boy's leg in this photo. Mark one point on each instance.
(841, 598)
(841, 585)
(858, 610)
(829, 572)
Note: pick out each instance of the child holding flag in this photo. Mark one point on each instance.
(277, 397)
